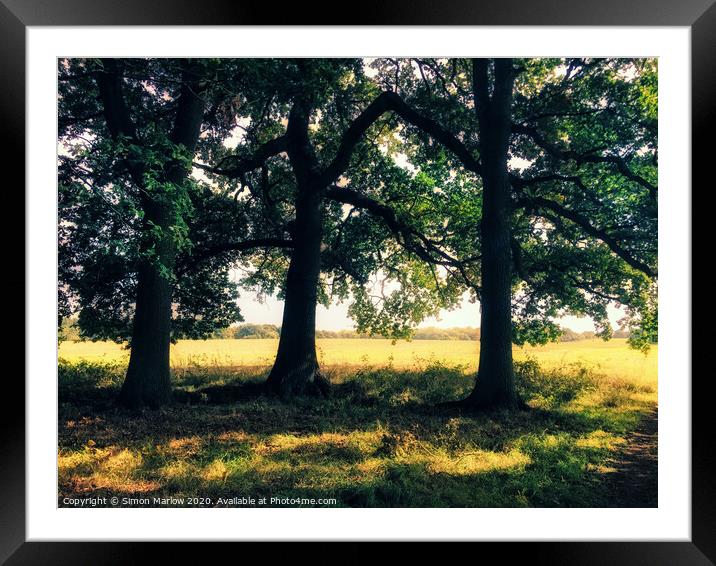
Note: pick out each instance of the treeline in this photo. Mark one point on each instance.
(430, 333)
(69, 331)
(569, 335)
(270, 331)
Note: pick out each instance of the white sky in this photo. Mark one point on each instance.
(468, 314)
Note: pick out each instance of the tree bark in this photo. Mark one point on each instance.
(494, 387)
(148, 379)
(296, 370)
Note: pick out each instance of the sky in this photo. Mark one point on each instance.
(270, 311)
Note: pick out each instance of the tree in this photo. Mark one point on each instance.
(319, 115)
(148, 379)
(493, 105)
(158, 174)
(565, 155)
(131, 218)
(296, 370)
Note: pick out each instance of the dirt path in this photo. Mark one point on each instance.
(634, 484)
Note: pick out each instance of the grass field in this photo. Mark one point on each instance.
(380, 440)
(613, 358)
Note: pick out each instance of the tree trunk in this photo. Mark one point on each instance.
(295, 370)
(148, 380)
(494, 387)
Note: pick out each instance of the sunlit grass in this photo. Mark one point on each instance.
(378, 441)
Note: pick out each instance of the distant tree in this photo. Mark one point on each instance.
(569, 335)
(428, 333)
(456, 333)
(69, 330)
(621, 333)
(255, 331)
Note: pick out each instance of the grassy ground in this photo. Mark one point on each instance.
(378, 441)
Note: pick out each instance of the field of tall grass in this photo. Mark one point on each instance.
(380, 440)
(613, 358)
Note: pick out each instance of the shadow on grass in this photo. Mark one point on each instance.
(377, 441)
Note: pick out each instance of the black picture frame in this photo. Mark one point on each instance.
(17, 15)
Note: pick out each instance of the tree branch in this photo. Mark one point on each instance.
(247, 164)
(386, 102)
(517, 260)
(67, 121)
(116, 113)
(583, 222)
(580, 158)
(404, 234)
(217, 249)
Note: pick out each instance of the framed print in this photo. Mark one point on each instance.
(406, 276)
